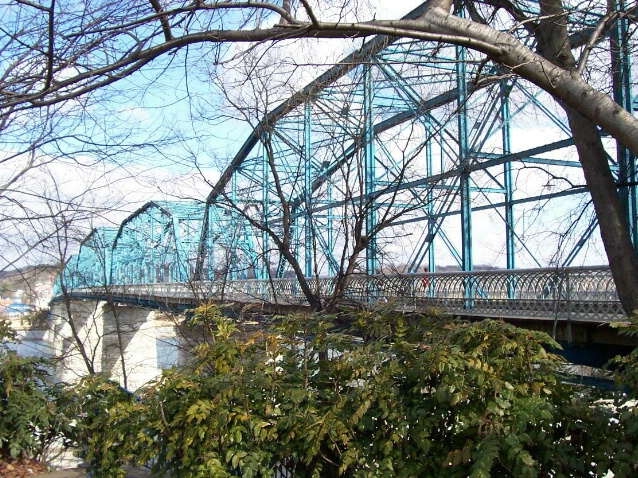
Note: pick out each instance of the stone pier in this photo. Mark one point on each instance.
(132, 345)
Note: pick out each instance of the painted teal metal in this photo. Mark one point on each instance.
(398, 134)
(622, 91)
(92, 266)
(369, 208)
(159, 243)
(308, 243)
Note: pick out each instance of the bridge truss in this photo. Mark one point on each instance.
(404, 155)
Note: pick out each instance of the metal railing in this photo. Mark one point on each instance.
(560, 293)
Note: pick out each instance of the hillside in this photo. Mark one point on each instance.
(34, 282)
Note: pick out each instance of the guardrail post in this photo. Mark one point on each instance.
(469, 289)
(568, 298)
(371, 290)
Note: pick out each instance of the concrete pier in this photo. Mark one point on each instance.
(132, 345)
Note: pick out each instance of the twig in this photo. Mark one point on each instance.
(593, 39)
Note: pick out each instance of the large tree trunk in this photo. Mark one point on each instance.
(609, 210)
(553, 43)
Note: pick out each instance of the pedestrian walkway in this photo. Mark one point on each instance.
(81, 473)
(74, 473)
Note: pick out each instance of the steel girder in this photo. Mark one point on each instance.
(399, 146)
(443, 148)
(406, 137)
(157, 243)
(231, 251)
(91, 267)
(160, 242)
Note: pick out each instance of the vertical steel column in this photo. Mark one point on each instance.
(295, 226)
(231, 254)
(466, 199)
(332, 270)
(370, 172)
(510, 237)
(430, 195)
(119, 268)
(131, 275)
(621, 80)
(308, 188)
(430, 206)
(265, 207)
(146, 225)
(180, 254)
(108, 273)
(210, 243)
(172, 254)
(442, 157)
(507, 149)
(140, 276)
(143, 236)
(151, 253)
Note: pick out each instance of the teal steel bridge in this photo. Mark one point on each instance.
(390, 162)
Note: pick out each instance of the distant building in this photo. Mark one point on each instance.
(17, 311)
(26, 290)
(43, 294)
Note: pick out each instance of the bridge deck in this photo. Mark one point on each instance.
(567, 294)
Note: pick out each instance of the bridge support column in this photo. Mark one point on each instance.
(109, 336)
(621, 82)
(129, 351)
(464, 162)
(88, 322)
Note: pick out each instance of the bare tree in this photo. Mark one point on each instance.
(56, 233)
(68, 217)
(318, 206)
(61, 53)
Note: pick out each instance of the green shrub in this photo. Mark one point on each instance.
(106, 419)
(391, 397)
(29, 418)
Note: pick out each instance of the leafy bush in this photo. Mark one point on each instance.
(391, 397)
(29, 418)
(627, 366)
(106, 420)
